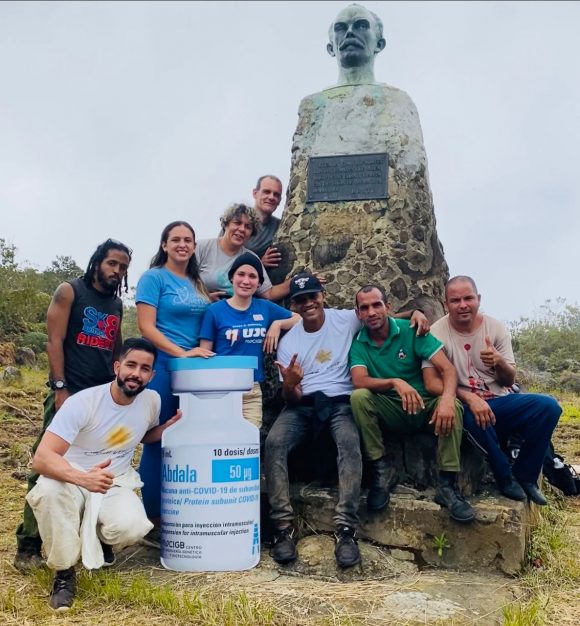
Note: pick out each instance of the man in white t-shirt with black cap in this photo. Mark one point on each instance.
(316, 385)
(313, 362)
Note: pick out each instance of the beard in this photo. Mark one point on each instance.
(108, 284)
(128, 391)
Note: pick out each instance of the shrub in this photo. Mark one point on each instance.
(550, 342)
(35, 340)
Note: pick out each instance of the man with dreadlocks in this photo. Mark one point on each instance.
(84, 339)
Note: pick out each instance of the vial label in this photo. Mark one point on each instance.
(210, 507)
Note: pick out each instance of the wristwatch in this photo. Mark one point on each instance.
(55, 385)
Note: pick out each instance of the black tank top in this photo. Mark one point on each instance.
(94, 322)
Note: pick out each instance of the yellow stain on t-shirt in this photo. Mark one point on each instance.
(118, 436)
(323, 356)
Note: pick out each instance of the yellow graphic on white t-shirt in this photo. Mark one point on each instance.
(118, 436)
(323, 356)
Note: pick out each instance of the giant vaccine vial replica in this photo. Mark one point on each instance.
(210, 469)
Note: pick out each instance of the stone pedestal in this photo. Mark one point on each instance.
(412, 522)
(496, 540)
(392, 241)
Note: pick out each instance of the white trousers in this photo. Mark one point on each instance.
(252, 405)
(59, 508)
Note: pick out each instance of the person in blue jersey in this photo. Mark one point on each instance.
(171, 301)
(246, 326)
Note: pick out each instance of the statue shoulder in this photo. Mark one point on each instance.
(394, 93)
(342, 91)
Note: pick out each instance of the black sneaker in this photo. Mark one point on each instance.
(459, 509)
(346, 552)
(511, 489)
(534, 494)
(108, 554)
(283, 548)
(28, 556)
(63, 590)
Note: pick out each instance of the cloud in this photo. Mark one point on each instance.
(117, 118)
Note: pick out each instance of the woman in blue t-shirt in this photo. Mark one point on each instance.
(171, 300)
(246, 326)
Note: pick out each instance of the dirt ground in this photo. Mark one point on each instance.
(383, 591)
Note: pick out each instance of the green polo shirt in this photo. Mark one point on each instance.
(399, 357)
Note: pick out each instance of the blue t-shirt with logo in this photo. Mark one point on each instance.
(179, 305)
(241, 333)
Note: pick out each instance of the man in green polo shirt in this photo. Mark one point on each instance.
(385, 362)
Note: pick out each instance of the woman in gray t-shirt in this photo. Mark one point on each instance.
(216, 256)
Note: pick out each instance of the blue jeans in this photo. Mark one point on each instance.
(150, 466)
(291, 428)
(533, 417)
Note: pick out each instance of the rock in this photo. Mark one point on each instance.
(11, 374)
(25, 356)
(316, 559)
(495, 541)
(320, 596)
(402, 555)
(7, 354)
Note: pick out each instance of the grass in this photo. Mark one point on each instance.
(552, 577)
(570, 412)
(104, 596)
(140, 592)
(519, 615)
(134, 596)
(566, 437)
(110, 591)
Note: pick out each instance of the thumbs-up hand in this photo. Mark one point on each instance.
(489, 355)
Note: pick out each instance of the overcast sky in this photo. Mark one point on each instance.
(119, 117)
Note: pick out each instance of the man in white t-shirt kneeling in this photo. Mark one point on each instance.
(84, 500)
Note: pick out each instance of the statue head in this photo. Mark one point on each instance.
(356, 36)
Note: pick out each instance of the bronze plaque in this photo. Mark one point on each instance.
(347, 177)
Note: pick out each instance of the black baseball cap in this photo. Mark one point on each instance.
(304, 283)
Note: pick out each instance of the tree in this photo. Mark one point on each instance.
(7, 255)
(25, 292)
(63, 268)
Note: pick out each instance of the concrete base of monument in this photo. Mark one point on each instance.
(413, 524)
(419, 532)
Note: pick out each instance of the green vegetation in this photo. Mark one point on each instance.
(547, 349)
(548, 345)
(25, 294)
(523, 615)
(552, 577)
(199, 606)
(440, 543)
(101, 594)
